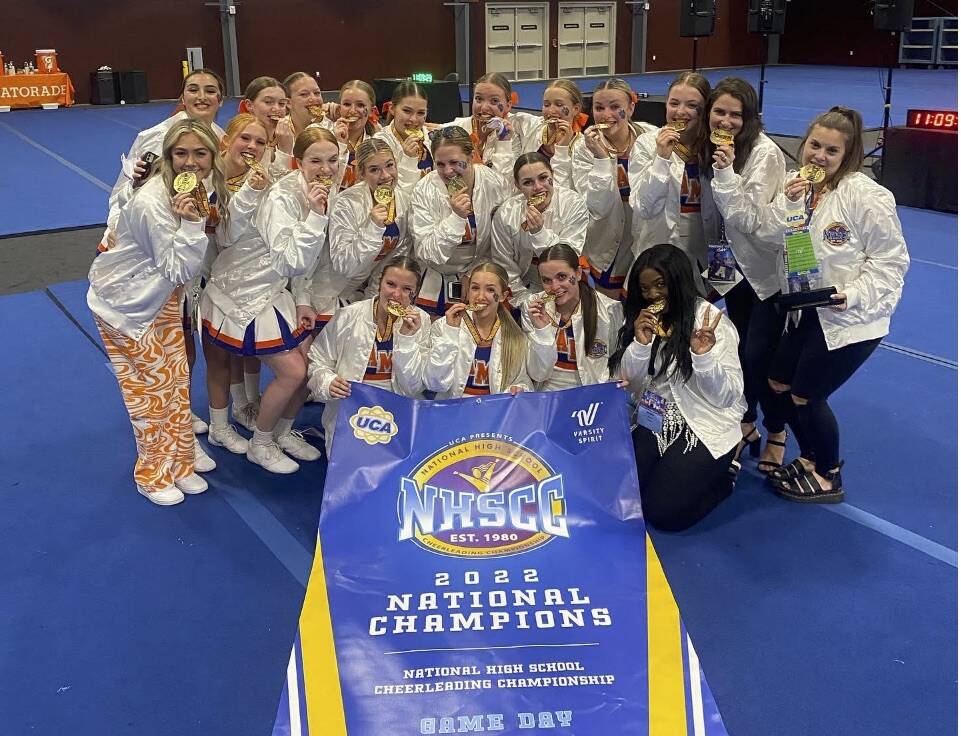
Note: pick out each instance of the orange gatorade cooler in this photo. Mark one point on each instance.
(47, 61)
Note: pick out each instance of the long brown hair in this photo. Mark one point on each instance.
(258, 85)
(566, 254)
(848, 122)
(310, 136)
(407, 88)
(513, 339)
(751, 125)
(700, 83)
(452, 135)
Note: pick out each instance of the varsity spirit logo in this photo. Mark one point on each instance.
(482, 498)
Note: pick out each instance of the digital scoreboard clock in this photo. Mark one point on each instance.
(933, 120)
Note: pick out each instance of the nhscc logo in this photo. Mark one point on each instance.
(373, 425)
(586, 417)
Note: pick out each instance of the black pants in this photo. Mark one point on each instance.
(678, 490)
(759, 327)
(813, 372)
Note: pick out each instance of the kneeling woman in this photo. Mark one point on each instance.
(136, 295)
(478, 348)
(573, 329)
(381, 341)
(679, 357)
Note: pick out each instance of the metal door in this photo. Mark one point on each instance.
(570, 41)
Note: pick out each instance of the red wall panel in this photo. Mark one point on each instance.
(151, 35)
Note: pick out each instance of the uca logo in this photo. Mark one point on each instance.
(373, 425)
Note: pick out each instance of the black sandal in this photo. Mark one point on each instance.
(752, 440)
(805, 488)
(769, 466)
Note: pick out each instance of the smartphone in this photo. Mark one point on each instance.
(148, 158)
(455, 291)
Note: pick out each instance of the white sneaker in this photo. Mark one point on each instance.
(294, 444)
(167, 497)
(192, 484)
(203, 463)
(272, 458)
(246, 416)
(227, 437)
(198, 424)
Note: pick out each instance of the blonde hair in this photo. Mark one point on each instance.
(370, 127)
(368, 149)
(309, 137)
(513, 339)
(572, 90)
(209, 140)
(619, 85)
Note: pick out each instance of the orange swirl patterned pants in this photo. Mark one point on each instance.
(154, 381)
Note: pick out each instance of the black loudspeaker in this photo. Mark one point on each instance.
(893, 15)
(697, 18)
(133, 87)
(921, 168)
(104, 88)
(766, 16)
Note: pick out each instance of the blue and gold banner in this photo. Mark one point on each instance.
(482, 567)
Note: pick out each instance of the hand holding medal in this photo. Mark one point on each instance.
(185, 203)
(533, 215)
(537, 309)
(724, 153)
(669, 137)
(385, 206)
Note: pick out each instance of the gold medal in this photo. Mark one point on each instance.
(383, 195)
(185, 182)
(251, 161)
(550, 132)
(812, 173)
(396, 309)
(455, 185)
(415, 133)
(472, 307)
(601, 126)
(656, 308)
(316, 113)
(548, 296)
(677, 125)
(535, 201)
(721, 137)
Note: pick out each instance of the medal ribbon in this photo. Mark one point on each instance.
(391, 319)
(474, 333)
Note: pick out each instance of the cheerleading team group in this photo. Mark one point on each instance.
(500, 252)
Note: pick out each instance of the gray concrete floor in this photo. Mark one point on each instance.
(30, 262)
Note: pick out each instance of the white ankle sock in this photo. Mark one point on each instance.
(238, 395)
(283, 426)
(261, 438)
(218, 418)
(252, 386)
